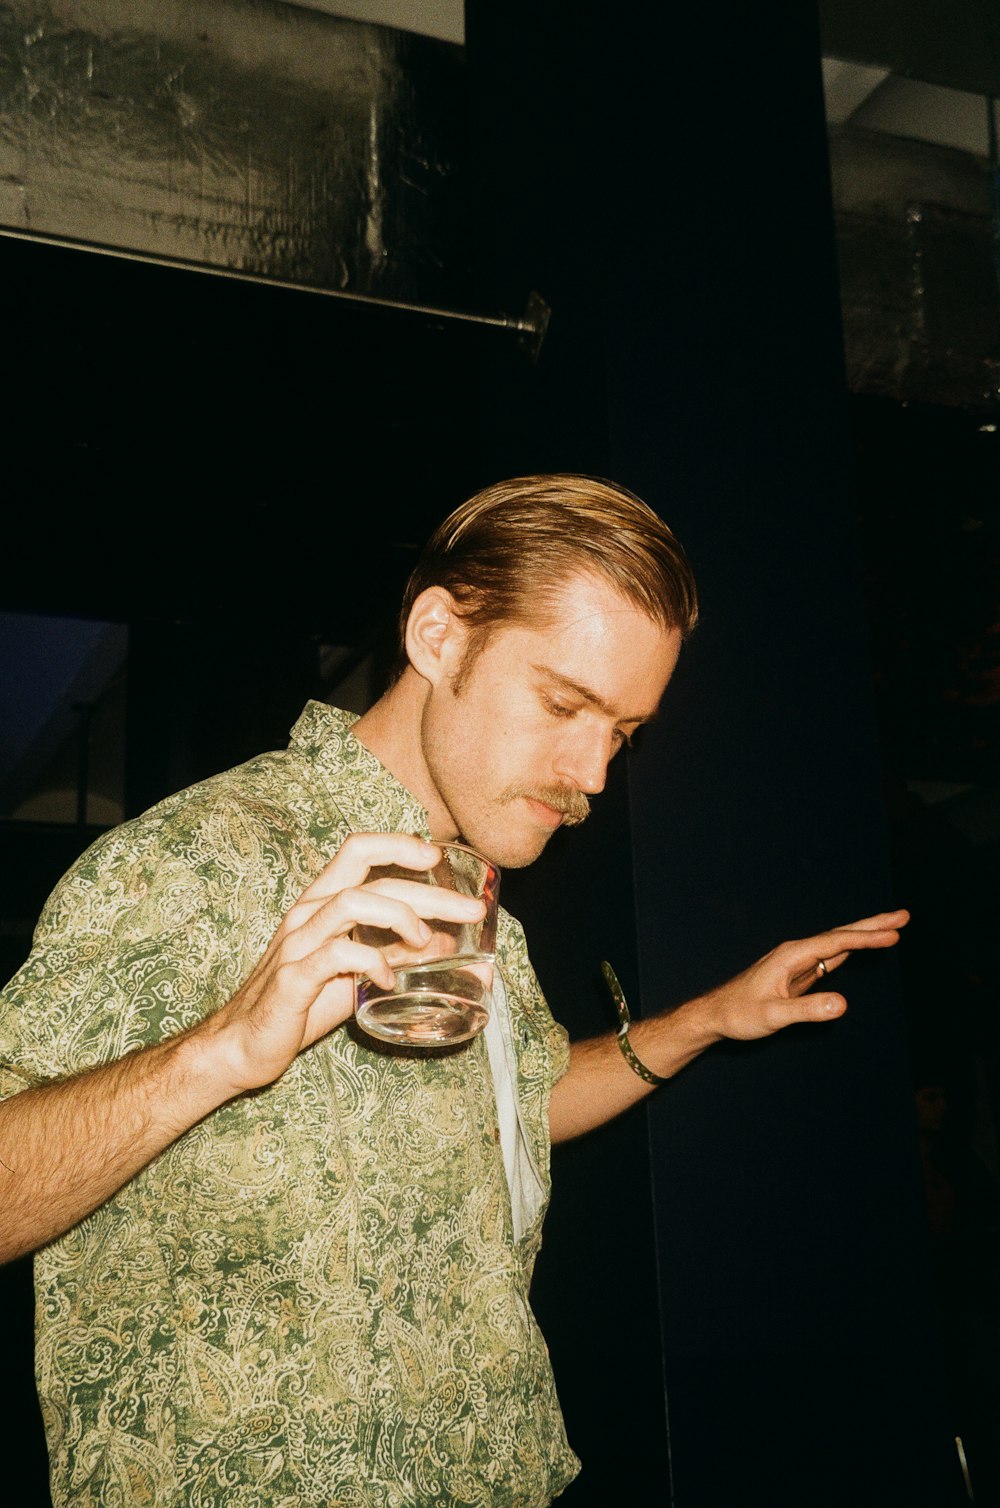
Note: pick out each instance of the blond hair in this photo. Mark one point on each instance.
(504, 554)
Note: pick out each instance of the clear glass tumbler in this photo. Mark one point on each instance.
(442, 991)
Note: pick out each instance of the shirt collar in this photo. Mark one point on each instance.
(371, 798)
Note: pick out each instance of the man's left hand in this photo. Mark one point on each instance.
(788, 984)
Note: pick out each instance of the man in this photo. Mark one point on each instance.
(280, 1263)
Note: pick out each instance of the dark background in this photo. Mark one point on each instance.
(743, 1299)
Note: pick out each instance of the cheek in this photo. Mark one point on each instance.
(504, 738)
(469, 744)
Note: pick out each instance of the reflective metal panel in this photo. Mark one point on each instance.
(244, 135)
(918, 277)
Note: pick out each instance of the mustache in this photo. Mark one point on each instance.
(574, 805)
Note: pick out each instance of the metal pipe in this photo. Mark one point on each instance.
(530, 327)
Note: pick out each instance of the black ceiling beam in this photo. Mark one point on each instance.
(957, 45)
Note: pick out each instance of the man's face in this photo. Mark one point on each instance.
(540, 713)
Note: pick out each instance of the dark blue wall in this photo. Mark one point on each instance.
(666, 188)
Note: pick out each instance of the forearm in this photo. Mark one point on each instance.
(600, 1085)
(68, 1146)
(775, 992)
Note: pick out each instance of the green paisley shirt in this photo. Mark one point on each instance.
(316, 1296)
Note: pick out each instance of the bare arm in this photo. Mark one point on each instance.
(68, 1146)
(771, 994)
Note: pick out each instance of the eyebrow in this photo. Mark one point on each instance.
(586, 694)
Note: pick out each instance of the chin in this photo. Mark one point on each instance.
(518, 859)
(506, 852)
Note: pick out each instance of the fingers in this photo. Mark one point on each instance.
(431, 900)
(338, 916)
(831, 949)
(371, 907)
(828, 945)
(348, 871)
(810, 959)
(298, 980)
(885, 920)
(361, 852)
(814, 1007)
(789, 985)
(287, 1002)
(303, 985)
(342, 955)
(804, 965)
(816, 971)
(746, 1019)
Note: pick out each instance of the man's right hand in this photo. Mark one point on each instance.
(303, 986)
(68, 1146)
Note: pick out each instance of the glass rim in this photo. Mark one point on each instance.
(475, 853)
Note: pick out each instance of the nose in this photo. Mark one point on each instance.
(583, 760)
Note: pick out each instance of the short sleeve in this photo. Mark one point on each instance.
(140, 940)
(545, 1041)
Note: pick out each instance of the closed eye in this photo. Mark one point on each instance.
(622, 739)
(558, 709)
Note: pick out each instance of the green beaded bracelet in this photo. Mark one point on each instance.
(625, 1021)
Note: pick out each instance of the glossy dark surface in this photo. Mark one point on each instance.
(239, 134)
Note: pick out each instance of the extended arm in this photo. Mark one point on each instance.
(67, 1146)
(771, 994)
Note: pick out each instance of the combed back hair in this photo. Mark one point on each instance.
(506, 553)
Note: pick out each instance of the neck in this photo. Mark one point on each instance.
(391, 730)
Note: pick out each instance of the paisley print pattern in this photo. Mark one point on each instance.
(315, 1296)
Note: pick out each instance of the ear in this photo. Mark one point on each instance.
(435, 635)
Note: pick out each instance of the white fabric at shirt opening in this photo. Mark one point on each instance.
(527, 1192)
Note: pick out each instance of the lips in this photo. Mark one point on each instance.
(547, 815)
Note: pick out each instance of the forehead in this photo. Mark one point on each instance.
(588, 632)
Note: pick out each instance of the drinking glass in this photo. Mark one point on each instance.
(442, 990)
